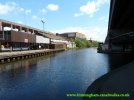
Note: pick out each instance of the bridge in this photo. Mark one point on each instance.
(120, 35)
(120, 39)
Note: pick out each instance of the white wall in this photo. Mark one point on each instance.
(53, 40)
(41, 39)
(71, 45)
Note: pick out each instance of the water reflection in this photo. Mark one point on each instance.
(52, 77)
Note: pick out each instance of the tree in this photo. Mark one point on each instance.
(78, 43)
(72, 40)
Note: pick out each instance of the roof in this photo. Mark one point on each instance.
(41, 32)
(69, 32)
(53, 36)
(17, 24)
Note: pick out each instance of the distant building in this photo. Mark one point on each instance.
(73, 35)
(14, 37)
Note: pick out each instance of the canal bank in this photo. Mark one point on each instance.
(18, 55)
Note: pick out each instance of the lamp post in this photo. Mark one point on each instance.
(43, 23)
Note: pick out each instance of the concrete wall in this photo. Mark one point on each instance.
(58, 46)
(80, 35)
(22, 37)
(105, 47)
(0, 26)
(117, 47)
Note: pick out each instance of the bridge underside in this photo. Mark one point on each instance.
(120, 35)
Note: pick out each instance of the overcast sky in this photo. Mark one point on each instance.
(87, 16)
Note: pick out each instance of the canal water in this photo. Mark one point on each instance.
(52, 77)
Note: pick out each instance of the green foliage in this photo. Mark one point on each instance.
(85, 43)
(72, 40)
(94, 44)
(78, 43)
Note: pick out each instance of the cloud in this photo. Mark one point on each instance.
(91, 7)
(12, 7)
(43, 10)
(78, 14)
(20, 22)
(34, 17)
(95, 33)
(21, 9)
(7, 8)
(28, 11)
(12, 3)
(53, 7)
(102, 18)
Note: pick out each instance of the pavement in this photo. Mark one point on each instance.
(4, 54)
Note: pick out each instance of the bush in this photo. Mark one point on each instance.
(94, 44)
(85, 43)
(78, 43)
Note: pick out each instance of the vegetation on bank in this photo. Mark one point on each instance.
(84, 43)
